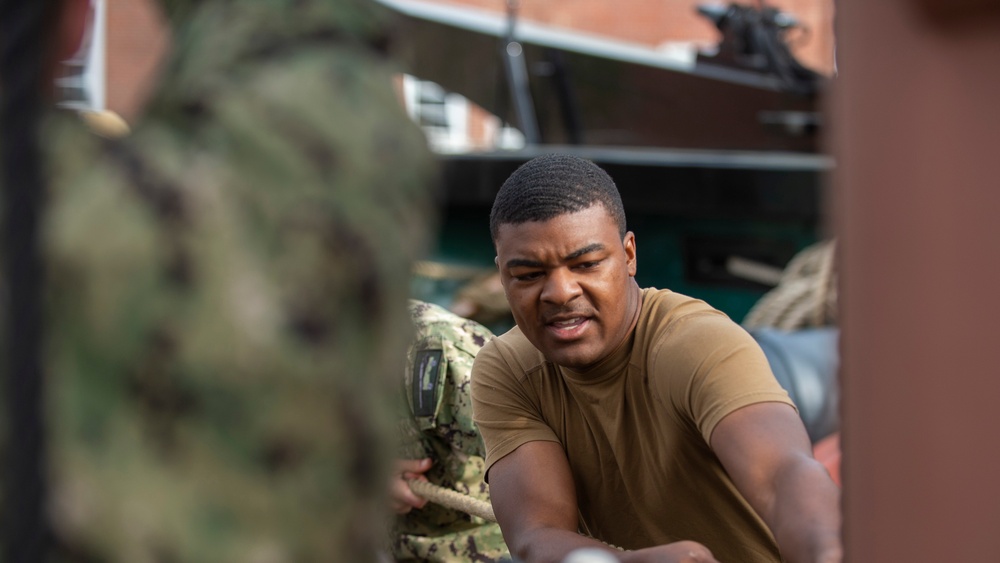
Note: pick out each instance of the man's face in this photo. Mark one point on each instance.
(569, 284)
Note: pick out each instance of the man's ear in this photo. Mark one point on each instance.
(630, 259)
(500, 276)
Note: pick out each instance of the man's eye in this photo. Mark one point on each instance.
(527, 276)
(587, 265)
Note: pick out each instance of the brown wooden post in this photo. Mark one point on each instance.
(916, 134)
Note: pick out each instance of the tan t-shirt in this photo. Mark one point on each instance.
(636, 427)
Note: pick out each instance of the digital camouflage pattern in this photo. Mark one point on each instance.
(227, 296)
(437, 423)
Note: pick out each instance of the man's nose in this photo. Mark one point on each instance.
(561, 287)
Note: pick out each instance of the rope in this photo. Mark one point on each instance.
(453, 499)
(805, 296)
(461, 502)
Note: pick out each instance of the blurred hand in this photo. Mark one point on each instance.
(401, 498)
(677, 552)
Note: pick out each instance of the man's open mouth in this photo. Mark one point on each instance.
(569, 323)
(570, 328)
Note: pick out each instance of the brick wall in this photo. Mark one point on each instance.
(136, 40)
(653, 22)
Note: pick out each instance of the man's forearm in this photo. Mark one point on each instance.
(805, 519)
(551, 545)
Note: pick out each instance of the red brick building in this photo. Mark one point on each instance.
(656, 22)
(135, 39)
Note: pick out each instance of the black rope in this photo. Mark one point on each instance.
(22, 53)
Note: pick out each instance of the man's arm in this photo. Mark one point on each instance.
(534, 500)
(766, 451)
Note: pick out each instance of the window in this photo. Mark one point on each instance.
(452, 123)
(81, 81)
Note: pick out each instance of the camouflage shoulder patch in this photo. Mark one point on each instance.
(427, 378)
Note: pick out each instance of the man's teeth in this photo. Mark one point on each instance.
(568, 324)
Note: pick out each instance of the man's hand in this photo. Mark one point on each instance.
(677, 552)
(401, 497)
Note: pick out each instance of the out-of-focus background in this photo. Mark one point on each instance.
(130, 36)
(706, 114)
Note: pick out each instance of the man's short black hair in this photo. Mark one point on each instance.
(552, 185)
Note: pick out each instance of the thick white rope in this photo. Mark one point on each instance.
(453, 499)
(806, 295)
(461, 502)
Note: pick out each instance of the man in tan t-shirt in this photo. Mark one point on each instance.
(642, 418)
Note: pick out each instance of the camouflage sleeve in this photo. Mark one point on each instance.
(438, 376)
(439, 412)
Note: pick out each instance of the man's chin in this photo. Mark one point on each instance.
(569, 358)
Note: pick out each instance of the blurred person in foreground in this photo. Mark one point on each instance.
(227, 295)
(441, 444)
(639, 417)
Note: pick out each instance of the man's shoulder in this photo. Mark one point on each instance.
(515, 343)
(663, 306)
(513, 351)
(669, 319)
(432, 322)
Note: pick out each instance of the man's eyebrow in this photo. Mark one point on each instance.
(585, 250)
(525, 263)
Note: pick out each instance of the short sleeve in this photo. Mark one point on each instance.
(506, 410)
(706, 367)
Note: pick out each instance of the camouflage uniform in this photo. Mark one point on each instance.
(227, 296)
(438, 424)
